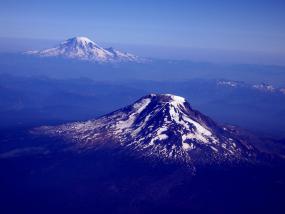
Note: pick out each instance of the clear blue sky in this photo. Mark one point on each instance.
(244, 25)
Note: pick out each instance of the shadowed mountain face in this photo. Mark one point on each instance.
(82, 48)
(159, 126)
(133, 161)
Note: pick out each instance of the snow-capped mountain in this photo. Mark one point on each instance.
(82, 48)
(264, 87)
(158, 126)
(230, 83)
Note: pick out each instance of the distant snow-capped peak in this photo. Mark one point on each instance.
(158, 126)
(262, 87)
(82, 48)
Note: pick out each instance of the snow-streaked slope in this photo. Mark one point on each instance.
(83, 48)
(158, 126)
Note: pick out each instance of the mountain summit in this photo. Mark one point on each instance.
(82, 48)
(159, 126)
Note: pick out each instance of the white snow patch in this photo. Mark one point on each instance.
(159, 135)
(187, 146)
(213, 148)
(138, 108)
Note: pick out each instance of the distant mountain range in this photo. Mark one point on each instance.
(158, 127)
(260, 87)
(82, 48)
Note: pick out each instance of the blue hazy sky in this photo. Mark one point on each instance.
(256, 26)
